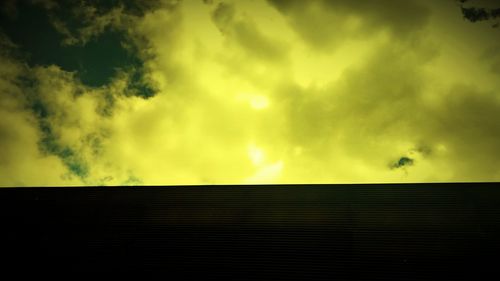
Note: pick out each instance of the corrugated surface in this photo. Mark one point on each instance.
(317, 232)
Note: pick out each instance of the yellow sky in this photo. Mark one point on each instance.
(272, 92)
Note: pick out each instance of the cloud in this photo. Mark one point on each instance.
(224, 92)
(464, 125)
(22, 163)
(327, 24)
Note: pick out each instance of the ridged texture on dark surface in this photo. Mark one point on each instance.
(316, 232)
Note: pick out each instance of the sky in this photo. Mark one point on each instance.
(247, 92)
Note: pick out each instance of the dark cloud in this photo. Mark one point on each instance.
(132, 180)
(466, 122)
(381, 98)
(325, 23)
(223, 15)
(244, 32)
(491, 56)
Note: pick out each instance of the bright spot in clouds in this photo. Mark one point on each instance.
(257, 102)
(256, 155)
(267, 174)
